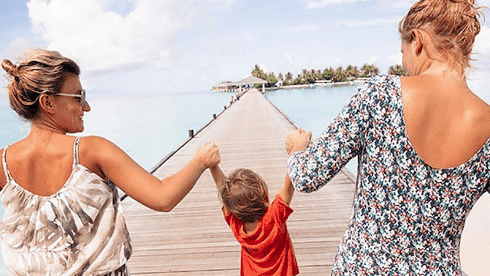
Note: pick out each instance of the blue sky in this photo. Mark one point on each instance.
(172, 46)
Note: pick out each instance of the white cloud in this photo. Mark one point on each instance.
(226, 2)
(263, 67)
(289, 62)
(482, 41)
(337, 24)
(397, 59)
(100, 38)
(17, 47)
(320, 4)
(372, 60)
(368, 23)
(298, 29)
(483, 3)
(403, 4)
(482, 50)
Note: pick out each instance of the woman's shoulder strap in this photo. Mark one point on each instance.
(4, 162)
(75, 150)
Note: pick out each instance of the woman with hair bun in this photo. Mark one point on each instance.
(62, 212)
(423, 147)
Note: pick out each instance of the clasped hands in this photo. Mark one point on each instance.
(297, 140)
(208, 155)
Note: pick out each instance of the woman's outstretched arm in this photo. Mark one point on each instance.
(310, 167)
(111, 162)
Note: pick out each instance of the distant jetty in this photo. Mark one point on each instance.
(249, 82)
(239, 86)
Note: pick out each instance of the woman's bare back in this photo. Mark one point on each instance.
(40, 168)
(446, 123)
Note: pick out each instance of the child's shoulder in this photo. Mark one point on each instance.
(279, 199)
(278, 203)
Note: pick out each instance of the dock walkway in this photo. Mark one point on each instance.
(194, 239)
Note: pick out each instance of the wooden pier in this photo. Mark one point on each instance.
(194, 239)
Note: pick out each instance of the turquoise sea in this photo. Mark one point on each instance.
(149, 127)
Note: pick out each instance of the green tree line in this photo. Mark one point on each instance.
(331, 74)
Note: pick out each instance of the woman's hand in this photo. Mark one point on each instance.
(208, 155)
(297, 140)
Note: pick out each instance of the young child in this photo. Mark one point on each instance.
(260, 228)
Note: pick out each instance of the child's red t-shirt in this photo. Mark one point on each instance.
(268, 250)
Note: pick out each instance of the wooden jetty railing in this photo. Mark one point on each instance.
(194, 239)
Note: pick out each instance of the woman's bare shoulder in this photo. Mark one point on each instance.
(95, 140)
(96, 147)
(94, 151)
(478, 112)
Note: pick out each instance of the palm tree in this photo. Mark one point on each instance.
(340, 75)
(352, 72)
(304, 73)
(369, 70)
(397, 70)
(258, 72)
(328, 73)
(271, 79)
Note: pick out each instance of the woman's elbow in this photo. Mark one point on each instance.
(304, 187)
(162, 206)
(164, 209)
(307, 182)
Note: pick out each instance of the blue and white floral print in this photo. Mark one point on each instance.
(407, 216)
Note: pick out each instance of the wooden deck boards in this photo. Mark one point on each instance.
(194, 239)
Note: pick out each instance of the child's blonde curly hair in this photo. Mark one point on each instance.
(244, 194)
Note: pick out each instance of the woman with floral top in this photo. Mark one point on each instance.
(423, 147)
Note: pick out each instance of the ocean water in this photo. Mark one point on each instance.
(150, 127)
(313, 109)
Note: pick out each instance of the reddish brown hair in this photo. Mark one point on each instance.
(244, 194)
(452, 24)
(38, 71)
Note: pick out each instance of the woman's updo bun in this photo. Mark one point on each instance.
(10, 68)
(38, 71)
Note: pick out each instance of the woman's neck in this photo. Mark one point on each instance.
(443, 71)
(46, 125)
(42, 131)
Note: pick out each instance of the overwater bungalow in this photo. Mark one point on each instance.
(226, 86)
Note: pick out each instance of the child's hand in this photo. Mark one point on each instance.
(297, 140)
(208, 155)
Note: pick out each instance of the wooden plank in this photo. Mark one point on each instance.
(194, 239)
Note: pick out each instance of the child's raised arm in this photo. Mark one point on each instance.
(287, 190)
(217, 174)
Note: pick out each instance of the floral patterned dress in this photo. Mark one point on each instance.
(407, 216)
